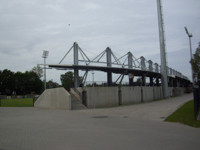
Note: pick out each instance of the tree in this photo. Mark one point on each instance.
(51, 84)
(38, 70)
(196, 63)
(31, 83)
(67, 80)
(27, 83)
(20, 83)
(7, 82)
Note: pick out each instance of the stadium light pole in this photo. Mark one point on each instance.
(190, 43)
(45, 55)
(162, 51)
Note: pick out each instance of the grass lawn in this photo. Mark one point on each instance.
(26, 102)
(185, 115)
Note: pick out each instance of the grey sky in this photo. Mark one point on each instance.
(28, 27)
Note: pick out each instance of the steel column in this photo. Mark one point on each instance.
(162, 52)
(130, 66)
(156, 67)
(109, 64)
(150, 65)
(76, 72)
(144, 80)
(151, 81)
(157, 81)
(143, 65)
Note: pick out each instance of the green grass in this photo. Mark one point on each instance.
(26, 102)
(185, 115)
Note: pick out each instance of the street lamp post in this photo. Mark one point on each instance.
(190, 43)
(45, 55)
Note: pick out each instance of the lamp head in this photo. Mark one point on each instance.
(45, 54)
(189, 34)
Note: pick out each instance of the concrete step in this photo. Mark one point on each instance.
(76, 104)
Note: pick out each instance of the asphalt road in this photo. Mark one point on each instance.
(134, 127)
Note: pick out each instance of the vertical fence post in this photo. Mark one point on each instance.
(196, 101)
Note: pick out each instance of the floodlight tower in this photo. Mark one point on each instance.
(45, 55)
(162, 51)
(190, 43)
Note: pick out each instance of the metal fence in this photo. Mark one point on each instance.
(196, 94)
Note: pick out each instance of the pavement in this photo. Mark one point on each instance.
(132, 127)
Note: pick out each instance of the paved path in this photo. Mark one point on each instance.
(138, 127)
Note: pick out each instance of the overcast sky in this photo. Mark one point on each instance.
(27, 27)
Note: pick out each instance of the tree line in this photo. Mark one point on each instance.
(19, 83)
(29, 82)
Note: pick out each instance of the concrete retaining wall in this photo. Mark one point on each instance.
(131, 95)
(176, 91)
(157, 91)
(102, 96)
(57, 98)
(148, 94)
(170, 91)
(110, 96)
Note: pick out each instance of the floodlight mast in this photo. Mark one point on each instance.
(45, 55)
(190, 43)
(162, 51)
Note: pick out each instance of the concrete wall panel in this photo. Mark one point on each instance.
(147, 94)
(176, 91)
(57, 98)
(131, 95)
(170, 91)
(157, 93)
(109, 96)
(102, 97)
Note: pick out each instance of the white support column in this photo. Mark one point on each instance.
(143, 65)
(130, 66)
(162, 52)
(76, 73)
(109, 64)
(156, 67)
(150, 65)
